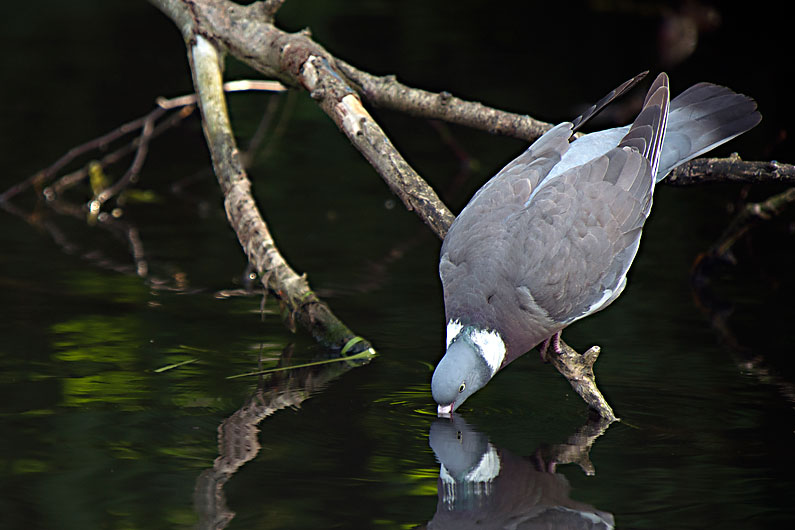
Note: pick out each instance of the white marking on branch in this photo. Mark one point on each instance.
(309, 73)
(352, 114)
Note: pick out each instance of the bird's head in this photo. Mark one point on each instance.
(466, 367)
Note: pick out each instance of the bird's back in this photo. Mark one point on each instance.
(530, 253)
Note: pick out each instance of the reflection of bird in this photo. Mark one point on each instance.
(550, 238)
(482, 486)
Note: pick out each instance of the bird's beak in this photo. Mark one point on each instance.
(444, 410)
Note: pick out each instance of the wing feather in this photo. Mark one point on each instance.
(594, 237)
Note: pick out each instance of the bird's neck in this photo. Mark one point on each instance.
(489, 342)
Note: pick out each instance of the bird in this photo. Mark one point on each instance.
(549, 239)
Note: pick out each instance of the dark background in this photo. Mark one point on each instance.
(91, 437)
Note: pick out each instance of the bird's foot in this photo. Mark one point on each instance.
(552, 343)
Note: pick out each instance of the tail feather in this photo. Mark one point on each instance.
(597, 107)
(701, 118)
(648, 130)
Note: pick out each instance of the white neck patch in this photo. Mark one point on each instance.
(491, 345)
(453, 329)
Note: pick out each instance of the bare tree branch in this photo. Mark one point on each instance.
(731, 169)
(293, 290)
(46, 175)
(69, 180)
(578, 370)
(344, 107)
(389, 93)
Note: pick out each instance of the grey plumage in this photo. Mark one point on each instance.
(549, 239)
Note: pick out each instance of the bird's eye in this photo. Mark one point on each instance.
(462, 387)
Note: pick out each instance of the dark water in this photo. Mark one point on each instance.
(93, 436)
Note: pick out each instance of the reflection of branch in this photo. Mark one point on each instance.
(749, 216)
(238, 435)
(577, 448)
(750, 358)
(121, 230)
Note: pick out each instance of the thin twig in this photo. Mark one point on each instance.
(70, 180)
(47, 174)
(44, 176)
(131, 175)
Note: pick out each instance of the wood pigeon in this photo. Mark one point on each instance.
(550, 238)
